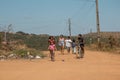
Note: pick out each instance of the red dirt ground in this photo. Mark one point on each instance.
(94, 66)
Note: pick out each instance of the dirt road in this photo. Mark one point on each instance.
(95, 66)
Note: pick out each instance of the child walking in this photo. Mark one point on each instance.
(52, 48)
(74, 46)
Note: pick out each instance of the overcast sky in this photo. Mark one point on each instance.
(51, 16)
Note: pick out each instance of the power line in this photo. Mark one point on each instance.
(85, 10)
(83, 7)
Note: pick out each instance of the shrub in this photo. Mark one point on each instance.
(23, 53)
(34, 53)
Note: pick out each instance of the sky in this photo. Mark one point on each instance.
(51, 16)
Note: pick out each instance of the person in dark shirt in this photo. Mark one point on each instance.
(81, 45)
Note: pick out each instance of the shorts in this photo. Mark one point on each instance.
(81, 45)
(61, 44)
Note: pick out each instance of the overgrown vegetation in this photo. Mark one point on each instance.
(108, 42)
(24, 53)
(20, 43)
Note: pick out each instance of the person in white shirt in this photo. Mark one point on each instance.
(68, 42)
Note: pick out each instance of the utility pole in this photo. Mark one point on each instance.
(69, 24)
(97, 22)
(9, 28)
(5, 35)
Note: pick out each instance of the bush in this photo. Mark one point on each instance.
(23, 53)
(37, 53)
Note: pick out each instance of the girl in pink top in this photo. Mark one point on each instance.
(52, 49)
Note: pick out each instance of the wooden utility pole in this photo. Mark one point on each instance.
(97, 22)
(69, 24)
(7, 30)
(5, 35)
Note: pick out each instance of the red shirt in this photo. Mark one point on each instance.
(51, 41)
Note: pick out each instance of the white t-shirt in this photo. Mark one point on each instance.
(68, 42)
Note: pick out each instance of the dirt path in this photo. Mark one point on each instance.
(95, 66)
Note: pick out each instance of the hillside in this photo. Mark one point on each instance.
(104, 34)
(20, 41)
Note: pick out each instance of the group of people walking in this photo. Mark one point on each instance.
(77, 46)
